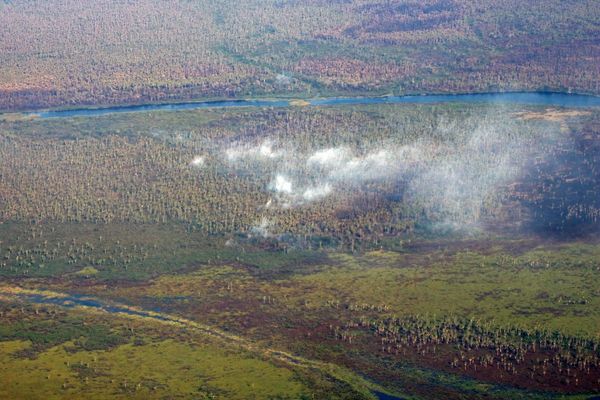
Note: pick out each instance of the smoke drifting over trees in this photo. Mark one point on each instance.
(355, 175)
(456, 175)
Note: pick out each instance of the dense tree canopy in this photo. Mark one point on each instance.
(71, 52)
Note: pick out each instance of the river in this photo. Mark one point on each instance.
(526, 98)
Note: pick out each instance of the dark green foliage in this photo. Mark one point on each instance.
(44, 333)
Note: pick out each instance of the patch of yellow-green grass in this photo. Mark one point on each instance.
(157, 370)
(87, 271)
(207, 281)
(345, 259)
(17, 117)
(509, 290)
(573, 255)
(299, 103)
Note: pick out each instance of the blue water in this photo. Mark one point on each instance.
(78, 300)
(383, 396)
(541, 98)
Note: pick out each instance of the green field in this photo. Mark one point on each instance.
(144, 359)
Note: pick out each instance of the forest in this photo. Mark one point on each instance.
(308, 177)
(72, 53)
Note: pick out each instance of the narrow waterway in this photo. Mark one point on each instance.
(528, 98)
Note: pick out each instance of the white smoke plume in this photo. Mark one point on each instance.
(329, 158)
(263, 151)
(262, 229)
(282, 184)
(457, 183)
(324, 170)
(452, 174)
(315, 193)
(198, 161)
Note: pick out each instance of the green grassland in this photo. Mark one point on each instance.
(554, 287)
(550, 288)
(53, 353)
(146, 371)
(542, 286)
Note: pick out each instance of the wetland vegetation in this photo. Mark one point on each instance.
(324, 241)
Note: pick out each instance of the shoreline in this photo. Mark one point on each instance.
(516, 97)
